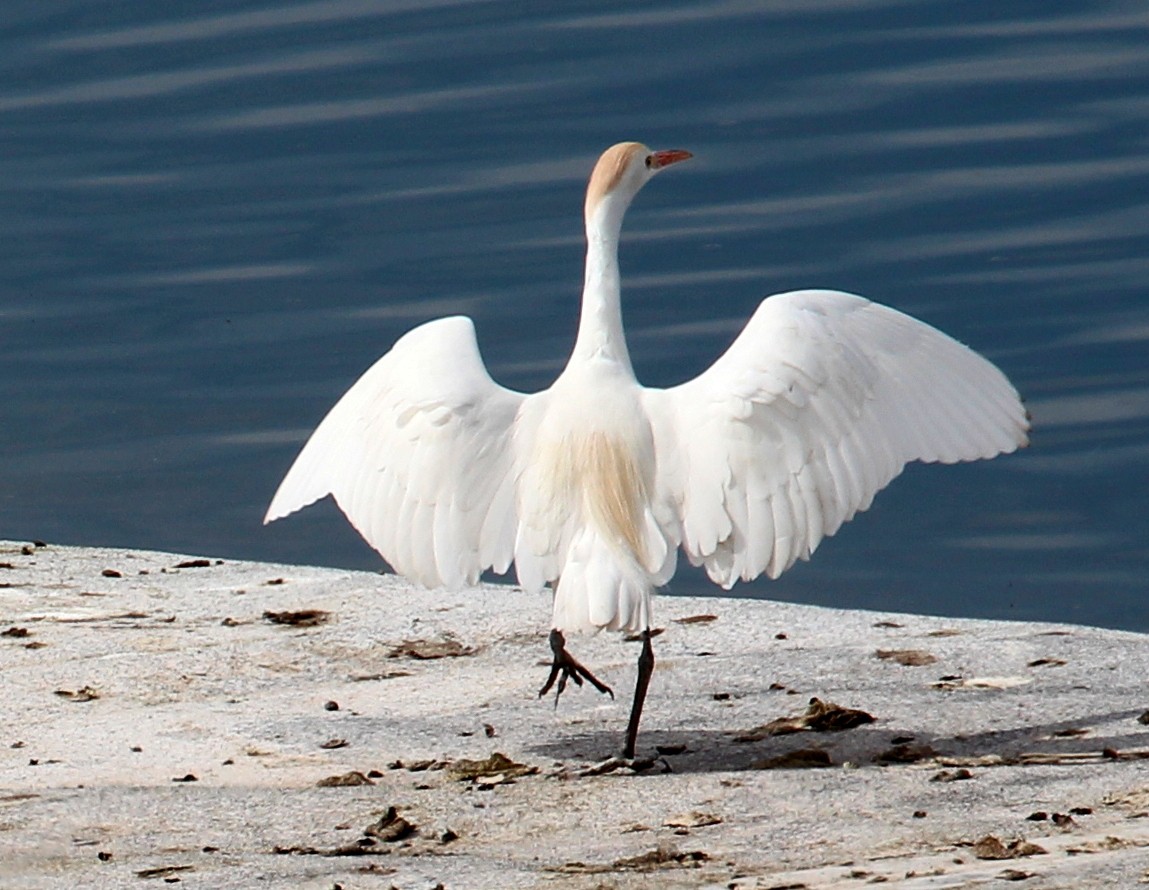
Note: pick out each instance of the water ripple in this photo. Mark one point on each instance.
(239, 23)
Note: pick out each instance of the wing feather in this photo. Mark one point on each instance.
(418, 455)
(817, 406)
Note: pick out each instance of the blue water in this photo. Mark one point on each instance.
(214, 216)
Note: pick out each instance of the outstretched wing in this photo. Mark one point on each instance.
(818, 404)
(418, 455)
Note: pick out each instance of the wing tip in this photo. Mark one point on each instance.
(279, 509)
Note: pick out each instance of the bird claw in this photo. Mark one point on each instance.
(566, 667)
(622, 762)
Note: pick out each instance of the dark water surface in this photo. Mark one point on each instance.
(214, 216)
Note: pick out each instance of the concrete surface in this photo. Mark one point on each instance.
(159, 728)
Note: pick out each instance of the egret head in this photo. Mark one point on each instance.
(621, 171)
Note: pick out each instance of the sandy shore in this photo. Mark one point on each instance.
(161, 724)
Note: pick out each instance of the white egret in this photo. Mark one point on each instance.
(593, 484)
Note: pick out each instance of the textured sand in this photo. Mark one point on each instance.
(114, 688)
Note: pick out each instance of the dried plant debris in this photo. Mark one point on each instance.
(364, 846)
(164, 871)
(425, 650)
(801, 758)
(375, 868)
(887, 623)
(19, 796)
(16, 633)
(377, 675)
(332, 744)
(197, 563)
(661, 857)
(959, 682)
(345, 780)
(696, 619)
(954, 775)
(1104, 845)
(298, 617)
(496, 766)
(1043, 758)
(693, 819)
(1047, 662)
(990, 847)
(419, 766)
(83, 694)
(390, 827)
(820, 716)
(906, 657)
(110, 573)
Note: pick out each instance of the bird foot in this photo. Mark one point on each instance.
(634, 764)
(566, 667)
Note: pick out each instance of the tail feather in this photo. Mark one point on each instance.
(601, 587)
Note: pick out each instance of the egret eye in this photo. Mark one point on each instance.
(649, 160)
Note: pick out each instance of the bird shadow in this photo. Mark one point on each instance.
(872, 745)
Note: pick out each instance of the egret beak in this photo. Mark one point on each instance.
(660, 159)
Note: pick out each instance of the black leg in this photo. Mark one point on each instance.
(645, 669)
(566, 667)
